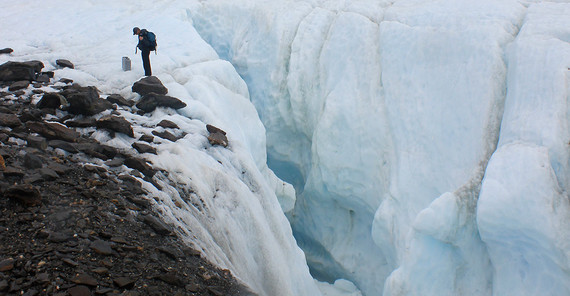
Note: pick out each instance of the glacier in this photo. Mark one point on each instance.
(387, 147)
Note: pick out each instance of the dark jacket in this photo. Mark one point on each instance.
(145, 44)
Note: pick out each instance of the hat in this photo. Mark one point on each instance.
(136, 30)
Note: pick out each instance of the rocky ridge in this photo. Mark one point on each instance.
(70, 225)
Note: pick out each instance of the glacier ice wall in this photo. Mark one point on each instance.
(385, 114)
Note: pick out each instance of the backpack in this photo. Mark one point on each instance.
(151, 37)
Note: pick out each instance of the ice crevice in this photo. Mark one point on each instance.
(389, 121)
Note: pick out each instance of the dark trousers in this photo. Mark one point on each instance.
(146, 62)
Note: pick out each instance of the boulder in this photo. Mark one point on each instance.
(151, 101)
(51, 100)
(6, 50)
(120, 100)
(116, 124)
(150, 84)
(85, 100)
(64, 63)
(16, 71)
(22, 84)
(52, 131)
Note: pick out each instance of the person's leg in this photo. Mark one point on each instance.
(146, 62)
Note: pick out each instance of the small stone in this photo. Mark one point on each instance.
(101, 247)
(58, 237)
(165, 135)
(37, 142)
(120, 100)
(212, 129)
(144, 148)
(84, 279)
(3, 285)
(167, 124)
(79, 290)
(116, 124)
(100, 270)
(42, 278)
(70, 262)
(124, 282)
(26, 194)
(6, 50)
(156, 224)
(9, 120)
(146, 138)
(218, 139)
(7, 264)
(32, 161)
(22, 84)
(65, 63)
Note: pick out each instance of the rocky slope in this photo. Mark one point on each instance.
(73, 226)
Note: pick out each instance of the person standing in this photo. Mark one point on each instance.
(147, 43)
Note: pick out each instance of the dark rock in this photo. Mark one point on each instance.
(167, 124)
(42, 78)
(116, 124)
(13, 172)
(157, 225)
(170, 252)
(146, 138)
(16, 71)
(101, 247)
(32, 161)
(115, 162)
(25, 194)
(150, 84)
(165, 135)
(85, 100)
(22, 84)
(171, 278)
(140, 165)
(31, 115)
(3, 285)
(6, 50)
(7, 264)
(63, 145)
(151, 101)
(52, 131)
(70, 262)
(66, 80)
(79, 290)
(103, 152)
(49, 74)
(36, 142)
(64, 63)
(124, 282)
(144, 148)
(60, 169)
(100, 270)
(120, 100)
(9, 120)
(58, 237)
(48, 174)
(82, 123)
(218, 139)
(51, 100)
(84, 279)
(212, 129)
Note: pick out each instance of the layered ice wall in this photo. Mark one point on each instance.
(384, 115)
(222, 201)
